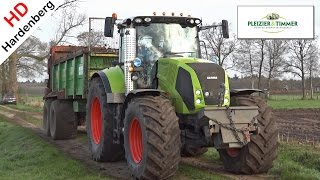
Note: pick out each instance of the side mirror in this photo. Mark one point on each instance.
(225, 28)
(109, 26)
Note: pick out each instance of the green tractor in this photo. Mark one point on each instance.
(161, 101)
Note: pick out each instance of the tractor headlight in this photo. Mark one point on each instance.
(198, 101)
(137, 62)
(134, 77)
(198, 92)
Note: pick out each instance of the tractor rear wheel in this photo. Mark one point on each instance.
(151, 138)
(258, 155)
(62, 120)
(46, 116)
(99, 124)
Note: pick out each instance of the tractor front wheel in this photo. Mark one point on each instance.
(99, 124)
(258, 155)
(151, 138)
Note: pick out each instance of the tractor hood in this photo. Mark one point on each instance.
(193, 83)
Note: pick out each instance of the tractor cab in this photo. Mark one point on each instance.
(144, 40)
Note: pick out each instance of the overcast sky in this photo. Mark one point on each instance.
(210, 11)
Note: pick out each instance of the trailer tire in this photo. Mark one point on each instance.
(46, 116)
(151, 138)
(258, 155)
(62, 120)
(99, 124)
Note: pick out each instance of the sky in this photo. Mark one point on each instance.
(210, 11)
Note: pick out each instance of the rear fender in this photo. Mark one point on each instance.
(238, 92)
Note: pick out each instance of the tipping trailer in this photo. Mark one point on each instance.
(70, 69)
(158, 101)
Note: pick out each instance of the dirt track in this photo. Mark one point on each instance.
(297, 122)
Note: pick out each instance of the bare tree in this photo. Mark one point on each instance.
(96, 39)
(69, 20)
(218, 46)
(29, 58)
(276, 50)
(313, 65)
(261, 45)
(245, 59)
(301, 53)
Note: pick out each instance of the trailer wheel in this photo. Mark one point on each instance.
(258, 155)
(151, 138)
(99, 124)
(46, 116)
(62, 120)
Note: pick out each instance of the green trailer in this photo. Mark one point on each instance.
(70, 69)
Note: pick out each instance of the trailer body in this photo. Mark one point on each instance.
(70, 69)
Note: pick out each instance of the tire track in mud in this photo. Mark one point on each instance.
(118, 170)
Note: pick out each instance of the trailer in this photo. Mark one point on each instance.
(69, 70)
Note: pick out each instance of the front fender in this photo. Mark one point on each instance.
(112, 79)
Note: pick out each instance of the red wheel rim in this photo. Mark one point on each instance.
(96, 120)
(233, 152)
(135, 140)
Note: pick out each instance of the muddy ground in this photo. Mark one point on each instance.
(299, 123)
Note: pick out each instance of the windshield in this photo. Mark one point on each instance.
(166, 40)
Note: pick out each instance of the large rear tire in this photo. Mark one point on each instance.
(62, 120)
(99, 124)
(152, 138)
(46, 116)
(258, 155)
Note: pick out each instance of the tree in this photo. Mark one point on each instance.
(245, 59)
(276, 50)
(96, 39)
(302, 52)
(218, 46)
(27, 60)
(261, 45)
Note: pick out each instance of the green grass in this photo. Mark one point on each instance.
(24, 155)
(293, 104)
(27, 117)
(25, 107)
(212, 155)
(297, 162)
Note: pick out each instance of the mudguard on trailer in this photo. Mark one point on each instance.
(113, 82)
(236, 92)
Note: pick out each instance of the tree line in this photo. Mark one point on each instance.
(264, 58)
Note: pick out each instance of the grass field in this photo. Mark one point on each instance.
(293, 161)
(293, 104)
(297, 162)
(24, 155)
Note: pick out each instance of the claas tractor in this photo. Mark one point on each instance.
(160, 101)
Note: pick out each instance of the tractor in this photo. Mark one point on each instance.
(160, 101)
